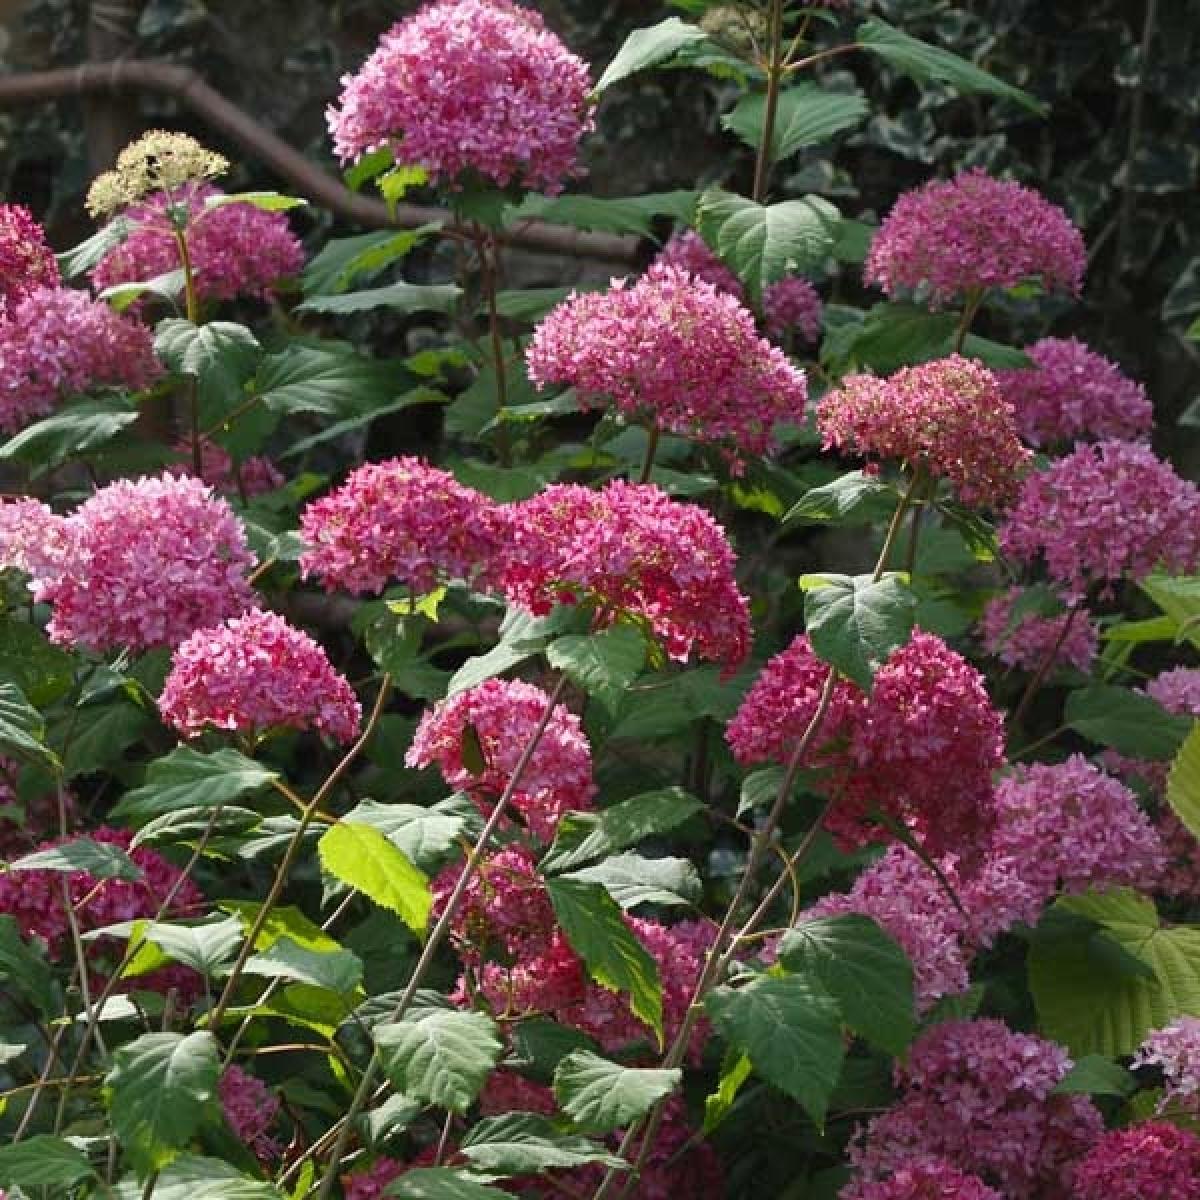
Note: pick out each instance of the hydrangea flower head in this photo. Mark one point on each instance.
(158, 161)
(630, 551)
(253, 674)
(1105, 512)
(235, 249)
(56, 342)
(32, 537)
(1175, 1050)
(1178, 691)
(956, 237)
(688, 252)
(497, 720)
(250, 1108)
(947, 417)
(922, 1179)
(400, 521)
(672, 351)
(146, 563)
(1027, 639)
(790, 305)
(26, 260)
(1072, 393)
(477, 86)
(1148, 1161)
(251, 477)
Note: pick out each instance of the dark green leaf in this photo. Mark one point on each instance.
(602, 664)
(22, 730)
(43, 1162)
(328, 382)
(1096, 1075)
(807, 115)
(853, 498)
(82, 258)
(526, 1143)
(26, 970)
(1128, 721)
(610, 214)
(81, 854)
(404, 297)
(600, 1096)
(440, 1183)
(338, 971)
(70, 432)
(649, 47)
(632, 880)
(188, 778)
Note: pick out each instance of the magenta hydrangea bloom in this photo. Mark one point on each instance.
(1178, 691)
(922, 1179)
(502, 716)
(32, 537)
(951, 238)
(947, 417)
(629, 550)
(251, 477)
(1106, 512)
(478, 86)
(790, 305)
(672, 351)
(688, 252)
(400, 521)
(1148, 1161)
(26, 260)
(235, 249)
(57, 342)
(1028, 640)
(146, 563)
(1072, 393)
(1175, 1050)
(253, 674)
(982, 1097)
(250, 1109)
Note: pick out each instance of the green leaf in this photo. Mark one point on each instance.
(602, 664)
(69, 432)
(924, 63)
(403, 297)
(891, 336)
(22, 730)
(361, 857)
(308, 379)
(735, 1070)
(614, 958)
(632, 880)
(761, 243)
(88, 253)
(25, 970)
(218, 353)
(167, 286)
(192, 1178)
(1130, 722)
(645, 48)
(440, 1183)
(851, 499)
(338, 970)
(1101, 994)
(600, 1096)
(424, 835)
(44, 672)
(1179, 597)
(207, 947)
(792, 1033)
(267, 201)
(188, 778)
(609, 214)
(863, 969)
(1183, 783)
(855, 621)
(161, 1088)
(582, 837)
(337, 262)
(100, 736)
(43, 1161)
(1096, 1075)
(440, 1056)
(526, 1144)
(807, 115)
(81, 854)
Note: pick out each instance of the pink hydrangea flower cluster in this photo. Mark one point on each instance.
(400, 521)
(1148, 1161)
(1027, 640)
(947, 417)
(56, 342)
(235, 249)
(982, 1097)
(252, 477)
(1072, 393)
(1181, 876)
(32, 537)
(26, 822)
(469, 86)
(26, 260)
(251, 1109)
(922, 1179)
(688, 252)
(956, 237)
(146, 563)
(254, 674)
(631, 551)
(1175, 1050)
(672, 351)
(920, 749)
(1178, 691)
(501, 716)
(1105, 512)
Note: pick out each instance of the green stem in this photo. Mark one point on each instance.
(192, 302)
(488, 277)
(970, 310)
(1044, 666)
(775, 72)
(652, 435)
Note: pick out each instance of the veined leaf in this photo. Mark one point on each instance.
(807, 115)
(440, 1056)
(1183, 783)
(188, 778)
(599, 1095)
(649, 47)
(361, 857)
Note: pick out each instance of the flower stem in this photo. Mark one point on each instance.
(970, 310)
(1043, 668)
(192, 301)
(652, 435)
(775, 71)
(488, 278)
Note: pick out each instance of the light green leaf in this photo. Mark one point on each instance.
(735, 1070)
(600, 1096)
(614, 958)
(632, 880)
(42, 1161)
(1179, 597)
(790, 1030)
(338, 971)
(602, 664)
(70, 432)
(361, 857)
(424, 835)
(267, 201)
(1183, 783)
(440, 1056)
(526, 1144)
(863, 969)
(440, 1183)
(404, 297)
(807, 115)
(168, 286)
(645, 48)
(1130, 722)
(100, 859)
(1096, 1075)
(207, 947)
(188, 778)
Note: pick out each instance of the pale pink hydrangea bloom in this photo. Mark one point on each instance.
(688, 252)
(146, 563)
(250, 1108)
(1178, 691)
(1072, 393)
(1175, 1050)
(26, 260)
(252, 477)
(970, 233)
(672, 351)
(503, 715)
(921, 1179)
(235, 249)
(253, 674)
(630, 550)
(1147, 1161)
(57, 342)
(469, 86)
(947, 417)
(400, 521)
(1028, 640)
(982, 1097)
(32, 537)
(790, 305)
(1106, 512)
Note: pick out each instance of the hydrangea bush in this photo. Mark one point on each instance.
(748, 748)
